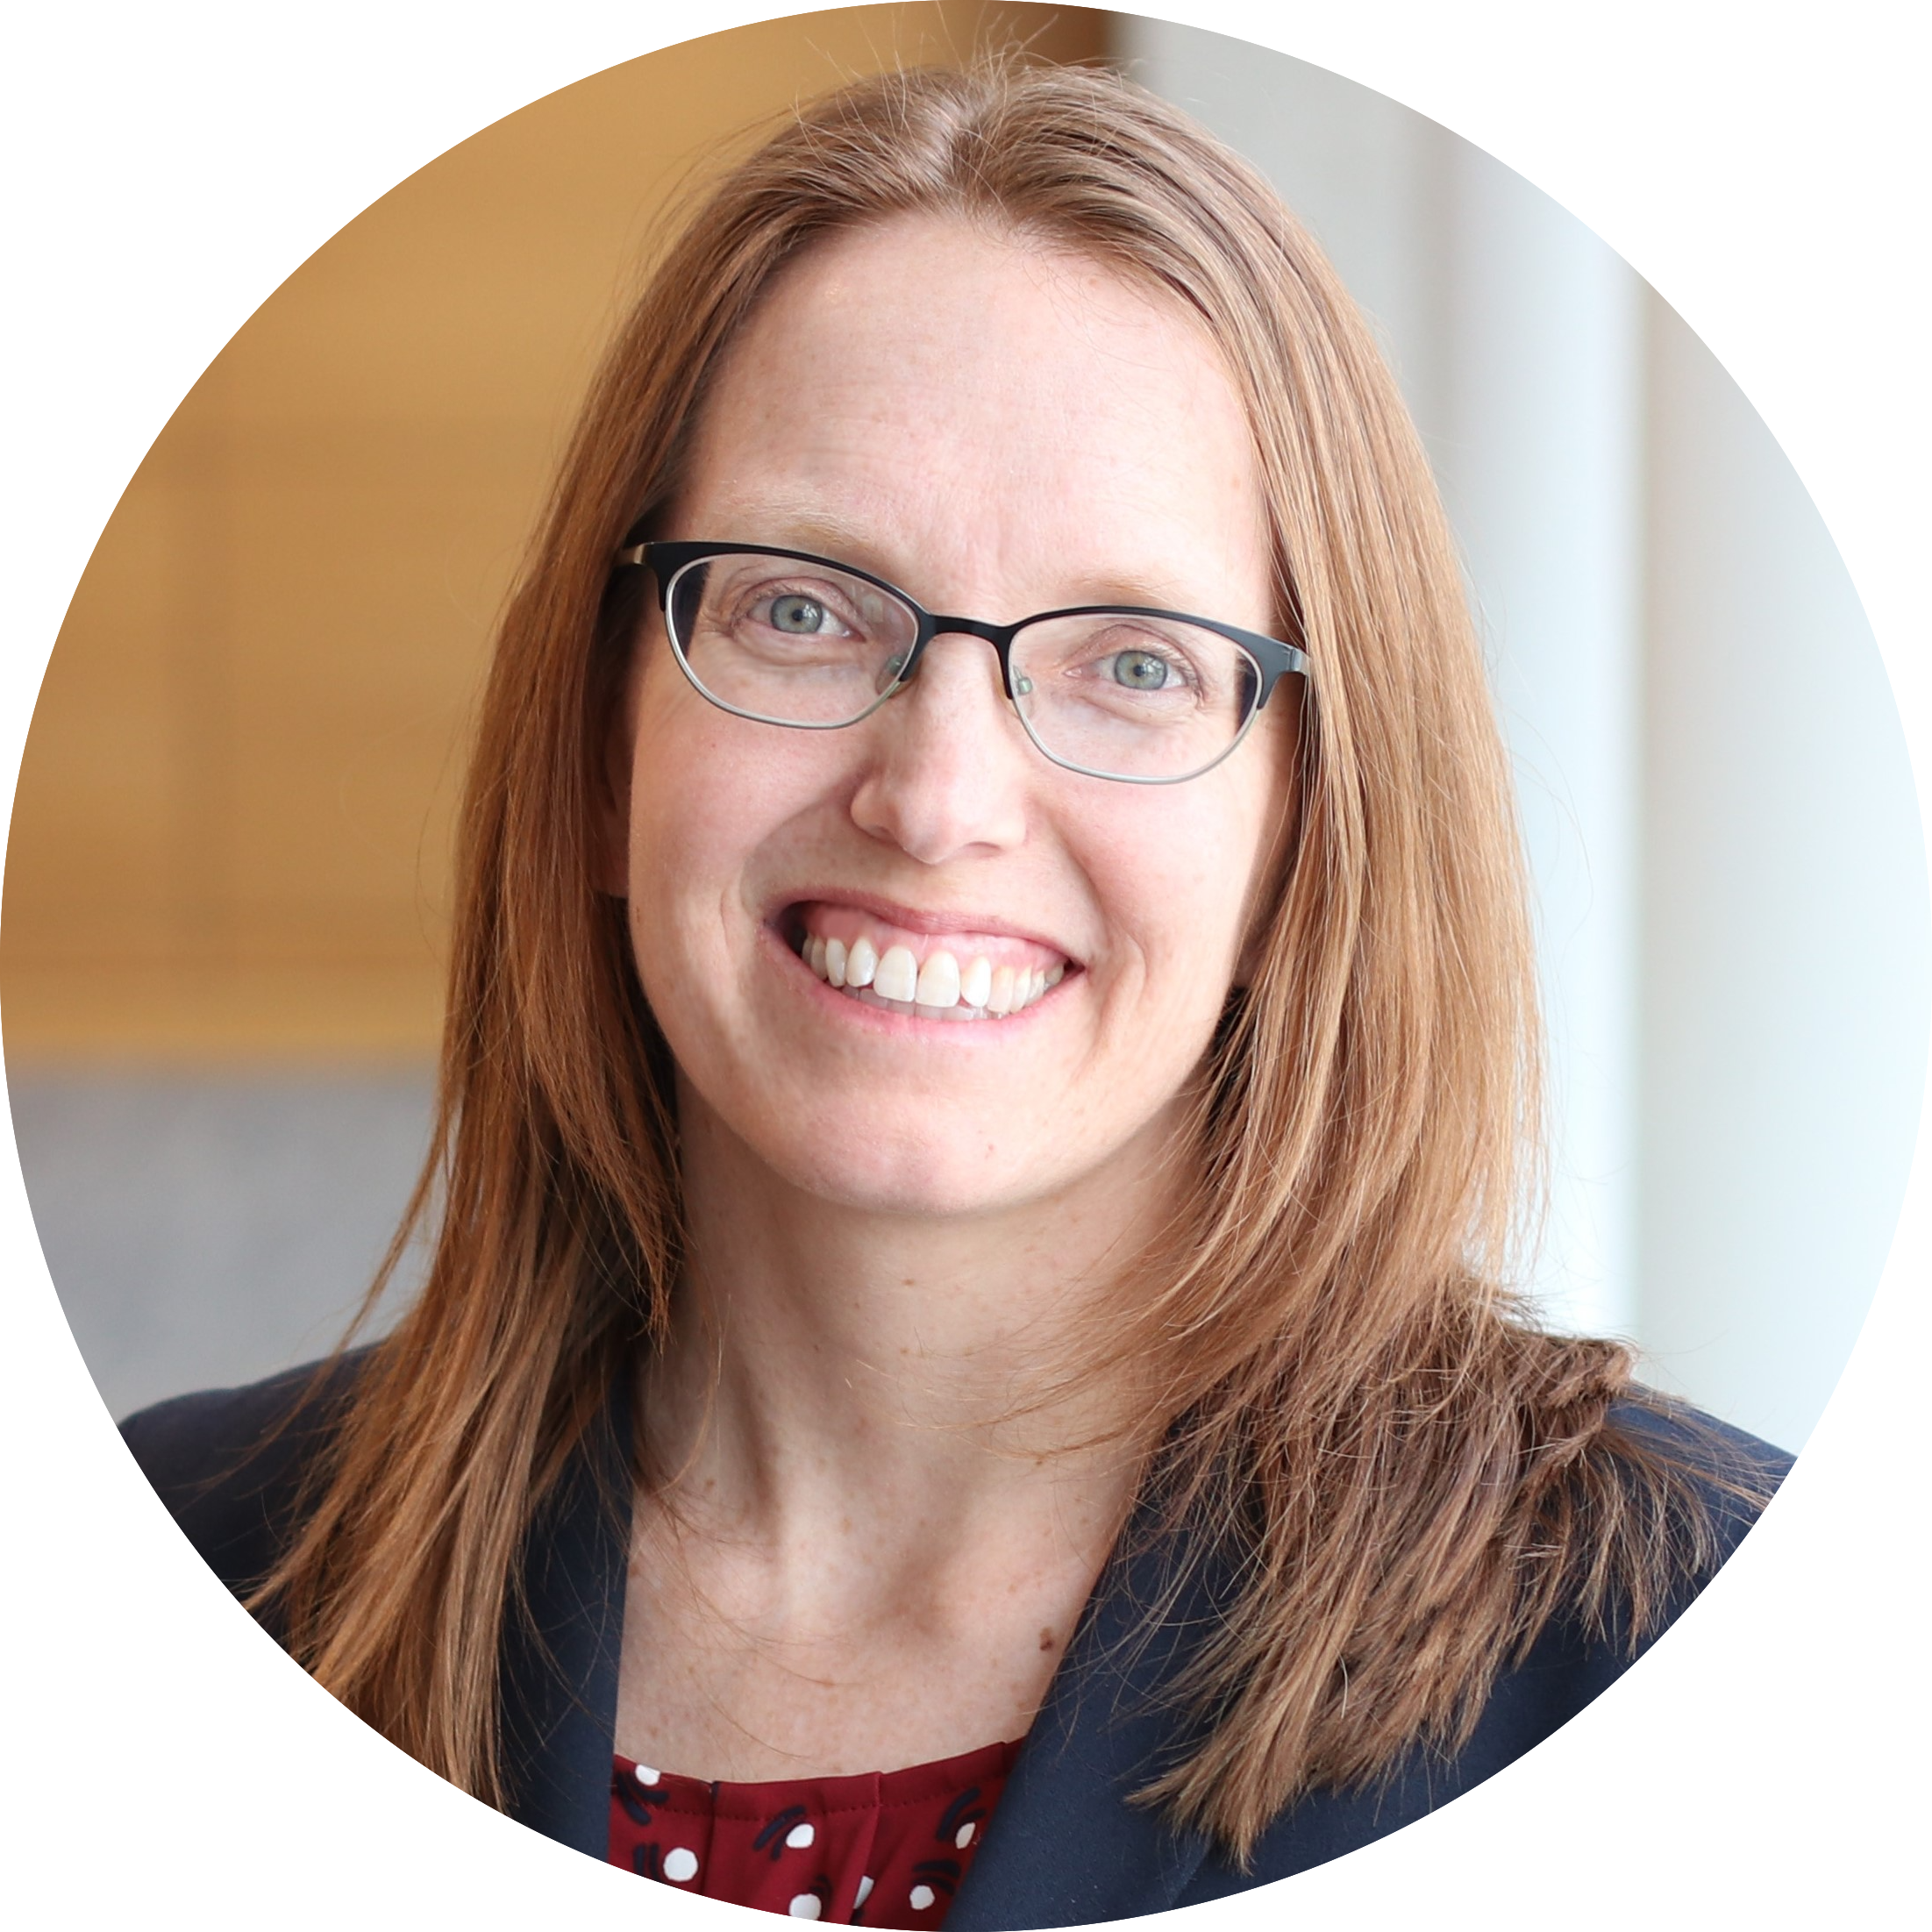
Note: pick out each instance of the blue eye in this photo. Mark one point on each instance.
(1141, 671)
(800, 615)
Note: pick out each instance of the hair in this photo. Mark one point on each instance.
(1411, 1478)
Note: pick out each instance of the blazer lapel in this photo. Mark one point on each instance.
(1065, 1846)
(559, 1663)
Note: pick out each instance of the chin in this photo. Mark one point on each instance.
(930, 1181)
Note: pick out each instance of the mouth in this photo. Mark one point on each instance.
(958, 974)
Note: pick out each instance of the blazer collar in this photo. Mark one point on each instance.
(560, 1662)
(1066, 1848)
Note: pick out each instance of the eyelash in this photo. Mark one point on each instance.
(759, 602)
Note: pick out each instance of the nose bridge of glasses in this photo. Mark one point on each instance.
(1000, 636)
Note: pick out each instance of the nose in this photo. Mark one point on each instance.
(948, 764)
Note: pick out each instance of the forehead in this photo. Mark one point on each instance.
(934, 392)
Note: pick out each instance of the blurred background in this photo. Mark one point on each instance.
(226, 889)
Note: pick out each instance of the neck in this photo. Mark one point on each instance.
(827, 1357)
(878, 1499)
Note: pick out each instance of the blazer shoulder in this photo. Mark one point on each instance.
(1572, 1662)
(232, 1463)
(1732, 1472)
(1676, 1425)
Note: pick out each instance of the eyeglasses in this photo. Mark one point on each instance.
(1148, 697)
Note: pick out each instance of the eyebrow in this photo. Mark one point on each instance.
(824, 534)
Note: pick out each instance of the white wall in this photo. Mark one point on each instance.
(1785, 933)
(1714, 786)
(1538, 446)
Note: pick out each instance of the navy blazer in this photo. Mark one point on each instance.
(1063, 1848)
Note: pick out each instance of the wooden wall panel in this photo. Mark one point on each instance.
(231, 839)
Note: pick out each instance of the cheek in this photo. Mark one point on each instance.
(692, 773)
(1212, 900)
(1182, 880)
(691, 827)
(713, 795)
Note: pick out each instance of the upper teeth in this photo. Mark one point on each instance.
(940, 984)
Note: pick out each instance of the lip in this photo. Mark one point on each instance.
(782, 930)
(981, 1036)
(783, 918)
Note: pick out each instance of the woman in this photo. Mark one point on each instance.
(977, 1149)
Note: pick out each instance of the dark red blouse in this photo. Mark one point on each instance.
(884, 1849)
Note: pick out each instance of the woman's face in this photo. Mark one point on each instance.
(1000, 430)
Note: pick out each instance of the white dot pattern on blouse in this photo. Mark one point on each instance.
(793, 1847)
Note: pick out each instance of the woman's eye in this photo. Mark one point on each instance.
(800, 615)
(1141, 671)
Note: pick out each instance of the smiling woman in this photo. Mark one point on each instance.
(930, 834)
(969, 1320)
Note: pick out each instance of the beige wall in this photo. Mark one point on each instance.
(231, 839)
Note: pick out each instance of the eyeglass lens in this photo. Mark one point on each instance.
(1114, 693)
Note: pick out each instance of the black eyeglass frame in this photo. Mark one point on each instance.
(668, 561)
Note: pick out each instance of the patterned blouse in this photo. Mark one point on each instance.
(885, 1848)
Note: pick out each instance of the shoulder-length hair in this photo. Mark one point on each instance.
(1413, 1478)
